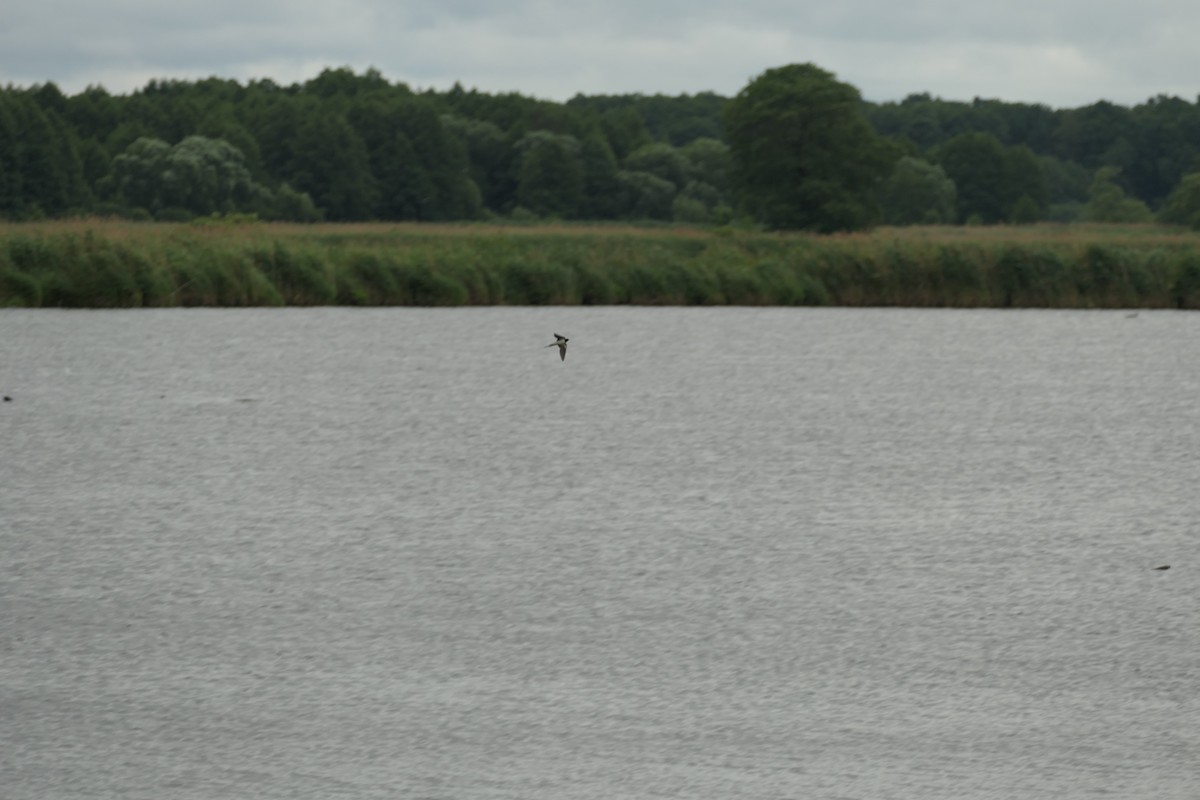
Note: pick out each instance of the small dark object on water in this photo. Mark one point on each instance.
(7, 399)
(1164, 566)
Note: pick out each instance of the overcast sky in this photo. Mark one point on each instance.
(1063, 53)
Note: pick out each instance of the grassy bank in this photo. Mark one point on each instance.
(97, 264)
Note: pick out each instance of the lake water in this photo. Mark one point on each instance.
(716, 553)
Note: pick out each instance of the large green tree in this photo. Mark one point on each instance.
(976, 163)
(205, 175)
(136, 177)
(708, 162)
(603, 192)
(550, 177)
(1107, 201)
(1026, 189)
(197, 176)
(995, 183)
(1166, 146)
(12, 195)
(330, 163)
(405, 187)
(489, 156)
(659, 159)
(445, 158)
(917, 193)
(803, 155)
(1183, 204)
(41, 173)
(625, 131)
(647, 196)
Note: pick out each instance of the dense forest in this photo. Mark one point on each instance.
(352, 147)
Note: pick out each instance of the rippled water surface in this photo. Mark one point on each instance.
(716, 553)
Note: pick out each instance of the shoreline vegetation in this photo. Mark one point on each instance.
(93, 263)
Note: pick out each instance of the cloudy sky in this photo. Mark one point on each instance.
(1064, 53)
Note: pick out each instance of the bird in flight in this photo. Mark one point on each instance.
(561, 344)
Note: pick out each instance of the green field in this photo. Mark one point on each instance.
(106, 264)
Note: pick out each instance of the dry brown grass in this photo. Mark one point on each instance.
(1048, 233)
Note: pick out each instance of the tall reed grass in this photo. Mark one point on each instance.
(97, 264)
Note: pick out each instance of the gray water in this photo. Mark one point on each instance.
(716, 553)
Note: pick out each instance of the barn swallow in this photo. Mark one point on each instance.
(561, 344)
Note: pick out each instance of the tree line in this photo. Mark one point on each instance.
(795, 149)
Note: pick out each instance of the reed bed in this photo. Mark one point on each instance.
(105, 264)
